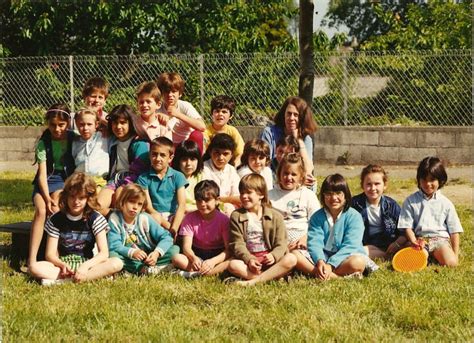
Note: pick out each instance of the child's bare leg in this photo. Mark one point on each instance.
(44, 270)
(283, 267)
(302, 263)
(374, 252)
(182, 262)
(37, 227)
(446, 256)
(219, 268)
(105, 199)
(109, 267)
(352, 264)
(55, 198)
(240, 269)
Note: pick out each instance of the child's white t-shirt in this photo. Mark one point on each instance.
(266, 173)
(227, 179)
(297, 207)
(181, 130)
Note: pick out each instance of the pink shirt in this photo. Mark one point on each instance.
(207, 234)
(150, 131)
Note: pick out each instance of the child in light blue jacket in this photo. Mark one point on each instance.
(142, 244)
(335, 233)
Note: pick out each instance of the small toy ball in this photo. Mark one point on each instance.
(409, 260)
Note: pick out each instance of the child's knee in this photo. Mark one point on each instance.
(450, 262)
(116, 264)
(289, 261)
(358, 263)
(234, 266)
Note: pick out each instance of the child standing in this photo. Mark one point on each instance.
(187, 159)
(258, 239)
(428, 218)
(217, 167)
(256, 159)
(164, 187)
(335, 233)
(379, 212)
(222, 110)
(52, 171)
(128, 156)
(180, 116)
(297, 204)
(95, 93)
(148, 102)
(134, 237)
(205, 234)
(72, 234)
(90, 149)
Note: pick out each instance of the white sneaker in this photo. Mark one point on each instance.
(155, 270)
(356, 275)
(371, 266)
(52, 282)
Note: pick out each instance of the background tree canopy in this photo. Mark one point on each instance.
(91, 27)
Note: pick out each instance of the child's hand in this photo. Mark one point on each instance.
(309, 180)
(66, 271)
(51, 206)
(196, 263)
(163, 119)
(301, 243)
(172, 111)
(268, 259)
(152, 258)
(323, 270)
(419, 244)
(80, 274)
(139, 254)
(393, 248)
(254, 266)
(207, 266)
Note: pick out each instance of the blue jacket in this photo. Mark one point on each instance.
(348, 232)
(149, 235)
(389, 211)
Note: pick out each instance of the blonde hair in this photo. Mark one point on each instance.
(130, 192)
(79, 183)
(257, 183)
(86, 111)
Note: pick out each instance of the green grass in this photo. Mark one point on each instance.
(432, 305)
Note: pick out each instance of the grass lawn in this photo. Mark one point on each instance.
(432, 305)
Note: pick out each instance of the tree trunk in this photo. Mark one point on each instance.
(306, 81)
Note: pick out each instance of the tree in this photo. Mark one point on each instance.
(438, 25)
(55, 27)
(306, 80)
(360, 17)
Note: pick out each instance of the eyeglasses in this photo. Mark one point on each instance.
(330, 194)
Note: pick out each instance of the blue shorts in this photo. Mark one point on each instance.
(55, 182)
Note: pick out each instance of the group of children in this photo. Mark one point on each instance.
(174, 199)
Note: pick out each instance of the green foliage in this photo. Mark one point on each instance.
(438, 25)
(48, 27)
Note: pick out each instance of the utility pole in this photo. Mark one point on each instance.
(306, 80)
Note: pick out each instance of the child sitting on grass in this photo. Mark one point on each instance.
(335, 233)
(164, 187)
(428, 218)
(205, 235)
(72, 234)
(134, 237)
(258, 238)
(222, 110)
(379, 212)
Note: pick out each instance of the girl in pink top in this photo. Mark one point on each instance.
(205, 235)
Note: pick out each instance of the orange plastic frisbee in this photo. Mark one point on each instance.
(409, 260)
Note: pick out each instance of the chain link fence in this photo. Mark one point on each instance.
(409, 88)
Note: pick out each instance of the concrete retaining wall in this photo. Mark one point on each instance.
(387, 145)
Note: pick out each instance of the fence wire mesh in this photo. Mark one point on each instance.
(359, 88)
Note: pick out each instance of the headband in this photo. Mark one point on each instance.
(58, 110)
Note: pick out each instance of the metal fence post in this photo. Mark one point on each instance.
(71, 82)
(345, 88)
(201, 81)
